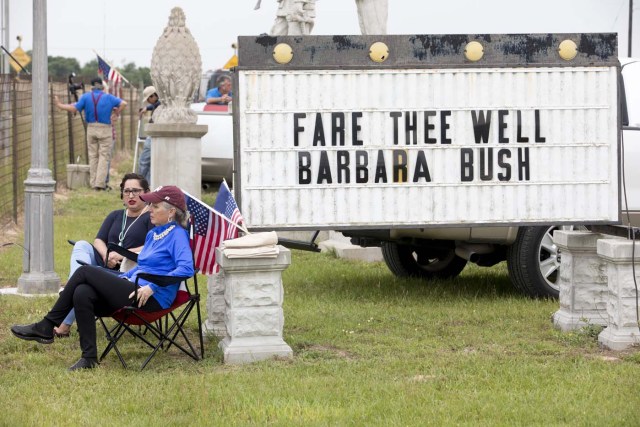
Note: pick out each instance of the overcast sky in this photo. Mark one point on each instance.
(126, 31)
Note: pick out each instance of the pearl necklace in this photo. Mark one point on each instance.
(162, 235)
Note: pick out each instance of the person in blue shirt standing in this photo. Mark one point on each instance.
(98, 109)
(93, 291)
(222, 93)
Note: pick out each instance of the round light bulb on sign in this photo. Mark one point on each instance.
(378, 52)
(568, 50)
(282, 53)
(474, 51)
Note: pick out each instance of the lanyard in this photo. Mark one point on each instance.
(123, 231)
(95, 105)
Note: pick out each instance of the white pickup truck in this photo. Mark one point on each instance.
(217, 144)
(442, 252)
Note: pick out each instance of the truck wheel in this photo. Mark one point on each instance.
(427, 263)
(533, 261)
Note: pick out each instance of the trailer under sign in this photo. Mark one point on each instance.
(424, 142)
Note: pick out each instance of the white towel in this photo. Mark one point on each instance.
(270, 251)
(253, 240)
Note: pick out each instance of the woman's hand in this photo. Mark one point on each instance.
(114, 259)
(143, 295)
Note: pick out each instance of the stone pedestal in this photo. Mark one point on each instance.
(622, 329)
(176, 155)
(253, 315)
(77, 176)
(583, 281)
(216, 307)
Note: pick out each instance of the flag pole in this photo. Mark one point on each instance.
(123, 77)
(244, 229)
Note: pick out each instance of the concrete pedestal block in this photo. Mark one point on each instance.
(253, 315)
(582, 283)
(343, 248)
(622, 329)
(176, 155)
(216, 306)
(77, 176)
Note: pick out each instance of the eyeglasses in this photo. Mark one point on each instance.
(130, 191)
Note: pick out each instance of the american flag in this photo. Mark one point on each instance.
(210, 229)
(226, 205)
(111, 75)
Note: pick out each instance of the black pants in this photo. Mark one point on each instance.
(94, 291)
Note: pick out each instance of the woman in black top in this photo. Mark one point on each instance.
(127, 227)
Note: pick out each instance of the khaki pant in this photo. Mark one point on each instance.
(99, 142)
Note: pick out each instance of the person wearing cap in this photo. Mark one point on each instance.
(98, 109)
(93, 291)
(150, 97)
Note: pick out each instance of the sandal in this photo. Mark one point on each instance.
(61, 334)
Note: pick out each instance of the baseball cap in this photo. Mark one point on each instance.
(168, 193)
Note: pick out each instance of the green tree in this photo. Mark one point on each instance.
(60, 67)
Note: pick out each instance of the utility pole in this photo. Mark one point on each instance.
(5, 36)
(630, 51)
(38, 276)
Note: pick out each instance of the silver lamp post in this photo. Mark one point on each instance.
(38, 276)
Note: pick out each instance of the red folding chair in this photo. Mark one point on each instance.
(158, 329)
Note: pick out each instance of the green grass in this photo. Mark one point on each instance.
(369, 349)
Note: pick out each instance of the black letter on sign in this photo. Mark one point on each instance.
(466, 164)
(410, 127)
(502, 155)
(486, 173)
(395, 115)
(521, 138)
(422, 169)
(523, 164)
(296, 127)
(362, 171)
(399, 166)
(343, 166)
(355, 128)
(481, 126)
(429, 127)
(539, 138)
(381, 168)
(304, 167)
(502, 126)
(318, 133)
(337, 128)
(324, 172)
(444, 126)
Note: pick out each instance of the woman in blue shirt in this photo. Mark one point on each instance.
(93, 291)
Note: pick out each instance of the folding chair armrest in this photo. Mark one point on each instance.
(161, 280)
(122, 251)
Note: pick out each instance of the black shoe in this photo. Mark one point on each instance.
(98, 188)
(30, 333)
(83, 364)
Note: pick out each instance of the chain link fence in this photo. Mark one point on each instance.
(67, 142)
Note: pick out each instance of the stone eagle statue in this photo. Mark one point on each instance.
(176, 68)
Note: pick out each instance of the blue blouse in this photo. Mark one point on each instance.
(164, 254)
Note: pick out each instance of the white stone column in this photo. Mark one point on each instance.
(254, 317)
(583, 281)
(622, 330)
(216, 307)
(176, 155)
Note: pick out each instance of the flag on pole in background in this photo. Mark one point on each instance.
(111, 76)
(210, 229)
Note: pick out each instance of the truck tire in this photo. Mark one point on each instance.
(533, 261)
(426, 263)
